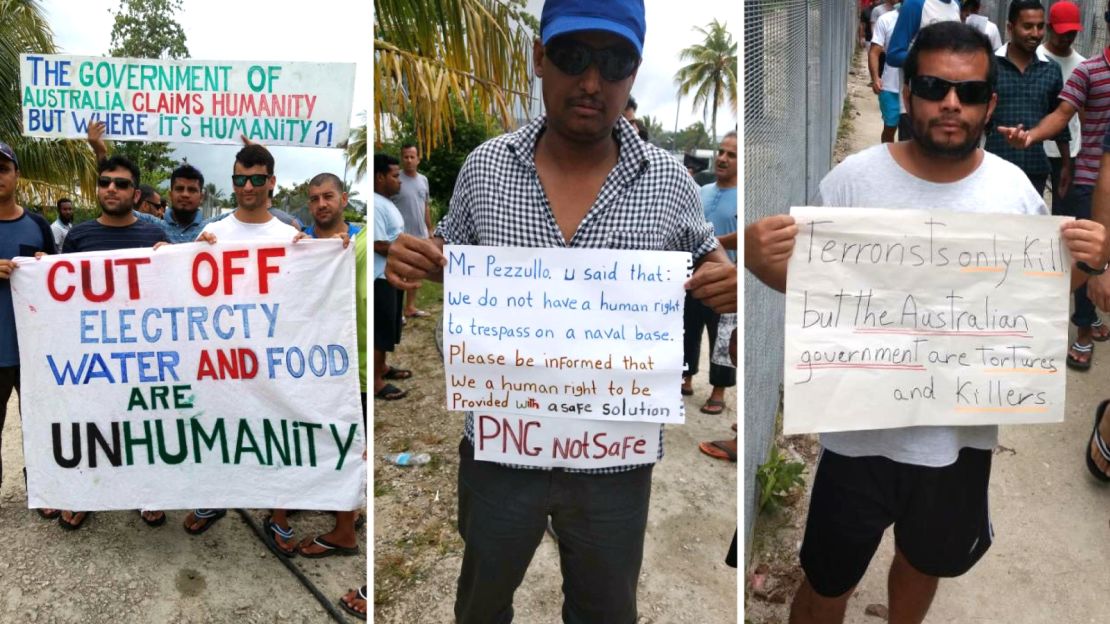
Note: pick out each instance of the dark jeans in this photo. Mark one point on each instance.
(600, 520)
(9, 380)
(696, 318)
(1060, 205)
(1038, 181)
(1080, 208)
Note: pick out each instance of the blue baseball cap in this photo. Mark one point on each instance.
(6, 152)
(620, 17)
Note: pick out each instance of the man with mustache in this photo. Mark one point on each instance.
(930, 483)
(1028, 89)
(577, 177)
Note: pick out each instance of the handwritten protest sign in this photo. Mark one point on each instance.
(191, 376)
(898, 318)
(583, 334)
(187, 100)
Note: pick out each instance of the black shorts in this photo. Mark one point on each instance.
(387, 315)
(940, 516)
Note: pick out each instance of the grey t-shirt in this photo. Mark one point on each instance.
(872, 179)
(410, 201)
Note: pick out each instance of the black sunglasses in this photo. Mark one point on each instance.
(614, 63)
(161, 204)
(257, 179)
(122, 184)
(936, 89)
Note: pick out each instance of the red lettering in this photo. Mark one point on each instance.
(264, 268)
(483, 421)
(205, 290)
(133, 274)
(205, 368)
(229, 367)
(86, 282)
(51, 281)
(248, 364)
(230, 270)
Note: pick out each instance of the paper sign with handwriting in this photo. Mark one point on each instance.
(898, 318)
(564, 442)
(187, 100)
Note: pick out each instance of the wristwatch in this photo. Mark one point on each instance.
(1083, 266)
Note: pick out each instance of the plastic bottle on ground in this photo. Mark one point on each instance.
(408, 459)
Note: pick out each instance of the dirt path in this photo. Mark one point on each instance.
(116, 570)
(1049, 515)
(418, 551)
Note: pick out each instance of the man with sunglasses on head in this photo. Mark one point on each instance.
(1028, 90)
(577, 177)
(930, 483)
(117, 227)
(150, 202)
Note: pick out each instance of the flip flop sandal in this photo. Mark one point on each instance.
(153, 523)
(687, 391)
(349, 609)
(418, 314)
(1078, 364)
(711, 403)
(1100, 444)
(718, 450)
(1096, 336)
(330, 549)
(272, 529)
(53, 515)
(390, 392)
(71, 526)
(397, 374)
(211, 515)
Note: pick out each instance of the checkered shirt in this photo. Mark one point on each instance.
(1025, 98)
(648, 201)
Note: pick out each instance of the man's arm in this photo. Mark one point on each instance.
(412, 260)
(905, 29)
(873, 67)
(1098, 286)
(1050, 126)
(768, 244)
(95, 137)
(728, 241)
(428, 216)
(714, 281)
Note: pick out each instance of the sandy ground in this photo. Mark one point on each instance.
(116, 570)
(418, 551)
(1049, 515)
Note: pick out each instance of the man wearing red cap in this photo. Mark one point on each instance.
(1063, 26)
(577, 177)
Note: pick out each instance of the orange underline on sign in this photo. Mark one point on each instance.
(1043, 273)
(1011, 410)
(1031, 371)
(981, 270)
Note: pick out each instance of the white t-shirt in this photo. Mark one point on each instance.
(879, 11)
(892, 76)
(1067, 66)
(232, 229)
(987, 27)
(872, 179)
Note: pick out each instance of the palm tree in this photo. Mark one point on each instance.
(654, 128)
(432, 54)
(711, 74)
(48, 168)
(356, 151)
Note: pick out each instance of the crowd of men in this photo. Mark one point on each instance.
(959, 92)
(135, 216)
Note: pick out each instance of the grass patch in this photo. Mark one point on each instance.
(382, 489)
(400, 445)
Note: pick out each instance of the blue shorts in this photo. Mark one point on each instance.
(890, 104)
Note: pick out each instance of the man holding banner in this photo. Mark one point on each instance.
(22, 233)
(929, 482)
(117, 227)
(579, 177)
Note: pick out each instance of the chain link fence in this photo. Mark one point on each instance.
(1090, 40)
(796, 59)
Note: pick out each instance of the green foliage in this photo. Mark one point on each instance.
(442, 165)
(147, 29)
(711, 72)
(691, 138)
(777, 478)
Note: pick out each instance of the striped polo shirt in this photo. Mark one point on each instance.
(1088, 90)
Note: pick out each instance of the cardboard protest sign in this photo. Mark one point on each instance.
(192, 376)
(898, 318)
(187, 100)
(575, 335)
